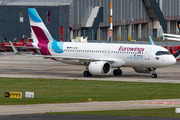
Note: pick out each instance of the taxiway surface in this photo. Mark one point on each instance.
(36, 67)
(87, 106)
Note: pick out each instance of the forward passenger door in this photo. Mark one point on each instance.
(147, 54)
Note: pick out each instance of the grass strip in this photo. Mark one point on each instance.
(67, 91)
(160, 112)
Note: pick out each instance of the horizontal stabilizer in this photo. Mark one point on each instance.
(14, 49)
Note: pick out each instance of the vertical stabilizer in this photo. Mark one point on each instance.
(40, 33)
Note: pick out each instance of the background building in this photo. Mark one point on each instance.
(132, 19)
(67, 19)
(171, 11)
(14, 20)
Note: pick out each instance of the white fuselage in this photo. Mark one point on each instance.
(122, 55)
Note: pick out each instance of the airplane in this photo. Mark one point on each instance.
(98, 58)
(175, 38)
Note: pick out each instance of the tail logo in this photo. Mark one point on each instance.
(40, 34)
(34, 15)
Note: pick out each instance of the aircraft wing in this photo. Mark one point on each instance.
(168, 38)
(171, 37)
(78, 58)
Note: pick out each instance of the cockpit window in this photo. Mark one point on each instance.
(163, 53)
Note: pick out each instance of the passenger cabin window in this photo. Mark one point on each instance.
(48, 16)
(21, 18)
(163, 53)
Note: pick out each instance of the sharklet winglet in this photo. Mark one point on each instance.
(151, 41)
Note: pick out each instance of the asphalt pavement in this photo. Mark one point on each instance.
(79, 117)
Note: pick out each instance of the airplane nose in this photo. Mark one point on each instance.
(172, 60)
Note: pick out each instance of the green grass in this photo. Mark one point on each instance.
(160, 112)
(66, 91)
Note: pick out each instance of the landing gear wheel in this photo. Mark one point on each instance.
(90, 75)
(87, 74)
(154, 75)
(120, 72)
(117, 72)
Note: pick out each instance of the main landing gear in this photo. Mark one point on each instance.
(87, 74)
(117, 72)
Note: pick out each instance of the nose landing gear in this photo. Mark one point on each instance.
(154, 75)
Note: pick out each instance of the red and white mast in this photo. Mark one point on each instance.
(111, 22)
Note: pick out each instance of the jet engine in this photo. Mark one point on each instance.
(99, 68)
(144, 70)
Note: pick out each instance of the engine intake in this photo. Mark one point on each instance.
(99, 68)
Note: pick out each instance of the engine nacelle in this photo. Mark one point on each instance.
(99, 68)
(144, 70)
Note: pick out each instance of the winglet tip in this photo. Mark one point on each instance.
(164, 37)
